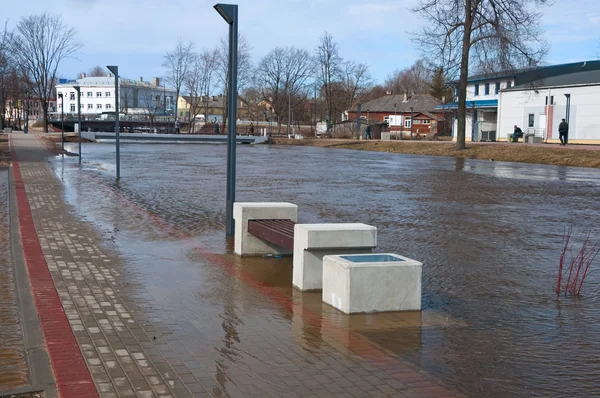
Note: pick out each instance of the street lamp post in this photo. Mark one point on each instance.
(115, 70)
(229, 12)
(396, 121)
(78, 89)
(27, 112)
(62, 122)
(411, 122)
(367, 115)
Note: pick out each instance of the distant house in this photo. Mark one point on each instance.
(401, 112)
(98, 96)
(16, 110)
(539, 106)
(189, 107)
(486, 99)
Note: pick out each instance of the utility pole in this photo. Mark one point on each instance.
(289, 112)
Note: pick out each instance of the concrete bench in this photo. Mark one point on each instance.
(314, 241)
(372, 283)
(247, 244)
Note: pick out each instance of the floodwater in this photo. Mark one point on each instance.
(489, 235)
(13, 366)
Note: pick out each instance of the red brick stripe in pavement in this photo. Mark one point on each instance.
(73, 379)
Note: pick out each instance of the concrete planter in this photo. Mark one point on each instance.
(372, 283)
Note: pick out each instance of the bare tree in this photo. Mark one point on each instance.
(495, 34)
(150, 102)
(5, 71)
(199, 83)
(244, 75)
(282, 76)
(97, 71)
(356, 82)
(40, 44)
(408, 80)
(178, 63)
(329, 64)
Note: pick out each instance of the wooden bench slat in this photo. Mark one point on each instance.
(278, 232)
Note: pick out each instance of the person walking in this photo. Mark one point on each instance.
(368, 132)
(563, 132)
(216, 128)
(177, 125)
(251, 129)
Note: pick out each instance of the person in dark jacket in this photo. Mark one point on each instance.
(517, 133)
(251, 129)
(368, 133)
(216, 128)
(563, 132)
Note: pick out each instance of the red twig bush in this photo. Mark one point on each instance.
(577, 268)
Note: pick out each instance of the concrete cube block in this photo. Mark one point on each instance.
(372, 283)
(249, 245)
(314, 241)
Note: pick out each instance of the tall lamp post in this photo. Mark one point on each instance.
(411, 122)
(115, 70)
(229, 12)
(396, 120)
(27, 112)
(78, 89)
(62, 122)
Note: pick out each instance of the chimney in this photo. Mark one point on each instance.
(141, 79)
(443, 99)
(405, 100)
(83, 75)
(109, 75)
(156, 81)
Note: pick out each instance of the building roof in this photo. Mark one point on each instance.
(526, 75)
(591, 77)
(419, 103)
(105, 81)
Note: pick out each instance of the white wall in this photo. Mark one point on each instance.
(584, 123)
(492, 93)
(107, 97)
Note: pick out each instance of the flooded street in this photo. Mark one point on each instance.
(13, 366)
(488, 233)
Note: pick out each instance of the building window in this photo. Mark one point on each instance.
(72, 107)
(98, 94)
(89, 93)
(508, 84)
(60, 106)
(90, 106)
(477, 89)
(108, 106)
(407, 123)
(531, 120)
(487, 89)
(72, 96)
(497, 88)
(107, 94)
(99, 106)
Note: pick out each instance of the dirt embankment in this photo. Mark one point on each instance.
(4, 152)
(523, 153)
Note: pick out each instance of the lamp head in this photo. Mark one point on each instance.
(227, 11)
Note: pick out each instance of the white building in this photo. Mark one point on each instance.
(538, 107)
(484, 91)
(98, 96)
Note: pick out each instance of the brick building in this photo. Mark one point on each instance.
(401, 111)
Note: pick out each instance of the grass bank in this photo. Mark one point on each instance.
(524, 153)
(4, 152)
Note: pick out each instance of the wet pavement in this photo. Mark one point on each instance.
(159, 304)
(13, 365)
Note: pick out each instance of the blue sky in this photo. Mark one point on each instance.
(135, 34)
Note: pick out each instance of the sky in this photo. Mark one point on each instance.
(135, 34)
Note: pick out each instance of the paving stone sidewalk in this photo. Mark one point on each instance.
(132, 346)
